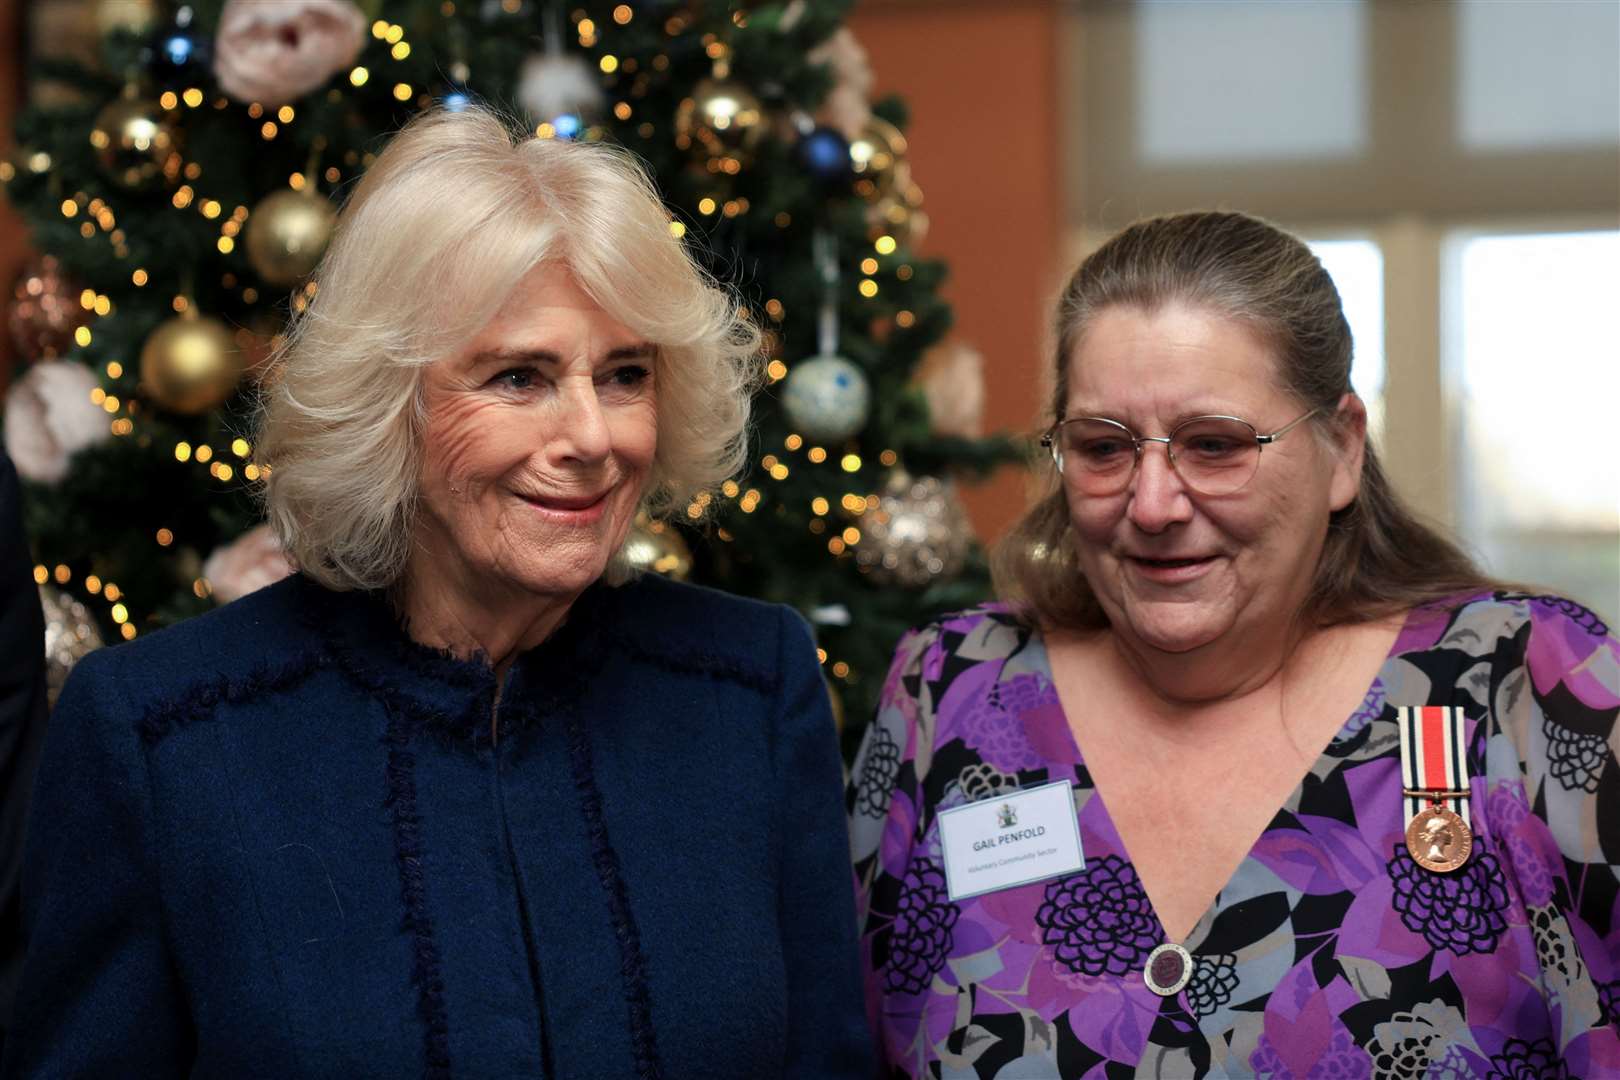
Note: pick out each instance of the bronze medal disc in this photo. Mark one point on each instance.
(1168, 969)
(1439, 840)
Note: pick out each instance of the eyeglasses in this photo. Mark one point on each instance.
(1213, 455)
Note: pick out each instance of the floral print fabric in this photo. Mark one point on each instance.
(1330, 952)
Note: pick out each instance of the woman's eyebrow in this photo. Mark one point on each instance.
(639, 351)
(1200, 407)
(516, 356)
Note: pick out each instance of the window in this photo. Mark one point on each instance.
(1357, 270)
(1532, 343)
(1208, 78)
(1537, 75)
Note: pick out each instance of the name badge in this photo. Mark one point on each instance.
(1010, 840)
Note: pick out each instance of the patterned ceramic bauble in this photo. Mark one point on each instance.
(70, 635)
(276, 51)
(826, 398)
(656, 547)
(560, 90)
(287, 234)
(917, 533)
(52, 412)
(878, 156)
(190, 364)
(45, 310)
(135, 144)
(951, 378)
(847, 106)
(721, 122)
(246, 564)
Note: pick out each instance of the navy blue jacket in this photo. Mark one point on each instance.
(22, 719)
(282, 840)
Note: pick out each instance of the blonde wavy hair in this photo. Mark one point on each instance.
(454, 212)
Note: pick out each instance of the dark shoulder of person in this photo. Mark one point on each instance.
(696, 628)
(22, 720)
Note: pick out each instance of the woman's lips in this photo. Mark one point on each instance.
(1171, 571)
(573, 510)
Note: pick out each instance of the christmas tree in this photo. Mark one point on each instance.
(182, 194)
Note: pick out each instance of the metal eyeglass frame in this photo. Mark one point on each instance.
(1049, 440)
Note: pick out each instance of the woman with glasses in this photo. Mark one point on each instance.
(1250, 772)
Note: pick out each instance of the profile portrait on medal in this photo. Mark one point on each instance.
(1440, 839)
(1344, 802)
(465, 795)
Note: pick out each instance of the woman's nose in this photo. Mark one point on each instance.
(1159, 499)
(582, 432)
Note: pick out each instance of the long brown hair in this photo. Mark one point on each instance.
(1379, 557)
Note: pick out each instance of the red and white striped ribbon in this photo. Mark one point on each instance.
(1433, 755)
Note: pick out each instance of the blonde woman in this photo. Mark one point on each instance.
(459, 798)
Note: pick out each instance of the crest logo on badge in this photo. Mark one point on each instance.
(1006, 816)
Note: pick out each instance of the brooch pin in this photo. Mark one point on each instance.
(1169, 968)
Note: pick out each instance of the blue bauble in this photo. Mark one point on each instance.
(826, 398)
(567, 125)
(824, 153)
(180, 53)
(177, 49)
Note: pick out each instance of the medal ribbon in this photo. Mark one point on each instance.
(1432, 756)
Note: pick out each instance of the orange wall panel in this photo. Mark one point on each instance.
(981, 82)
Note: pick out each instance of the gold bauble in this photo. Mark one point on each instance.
(722, 121)
(135, 144)
(915, 534)
(836, 700)
(70, 634)
(878, 157)
(25, 159)
(899, 214)
(190, 364)
(287, 234)
(45, 310)
(655, 547)
(135, 16)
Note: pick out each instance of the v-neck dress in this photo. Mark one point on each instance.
(1330, 952)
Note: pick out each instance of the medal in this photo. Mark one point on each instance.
(1436, 783)
(1439, 840)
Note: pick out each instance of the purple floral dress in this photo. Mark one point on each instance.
(1330, 952)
